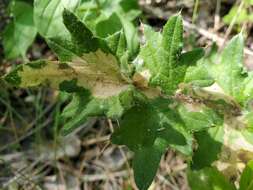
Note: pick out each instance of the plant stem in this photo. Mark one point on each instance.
(195, 11)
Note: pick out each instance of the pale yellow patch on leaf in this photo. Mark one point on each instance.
(101, 73)
(236, 150)
(97, 71)
(215, 92)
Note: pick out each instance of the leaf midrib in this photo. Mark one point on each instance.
(171, 50)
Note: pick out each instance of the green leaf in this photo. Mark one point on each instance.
(191, 57)
(76, 105)
(84, 106)
(81, 36)
(19, 34)
(145, 164)
(129, 5)
(198, 74)
(117, 44)
(229, 72)
(175, 133)
(208, 179)
(102, 29)
(159, 60)
(226, 69)
(139, 125)
(64, 48)
(148, 129)
(232, 63)
(248, 89)
(48, 16)
(249, 120)
(246, 181)
(211, 140)
(131, 35)
(119, 14)
(201, 119)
